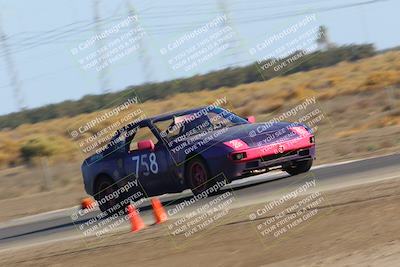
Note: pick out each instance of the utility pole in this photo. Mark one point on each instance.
(15, 82)
(143, 54)
(233, 43)
(103, 79)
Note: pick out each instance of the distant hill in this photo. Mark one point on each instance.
(359, 99)
(223, 78)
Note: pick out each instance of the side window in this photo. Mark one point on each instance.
(164, 126)
(118, 142)
(142, 133)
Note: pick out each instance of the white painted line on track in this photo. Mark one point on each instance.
(262, 177)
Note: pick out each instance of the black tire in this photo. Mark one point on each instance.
(106, 186)
(299, 167)
(198, 176)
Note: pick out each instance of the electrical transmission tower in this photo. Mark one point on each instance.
(103, 73)
(233, 42)
(143, 54)
(15, 82)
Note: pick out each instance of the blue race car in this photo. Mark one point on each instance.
(193, 149)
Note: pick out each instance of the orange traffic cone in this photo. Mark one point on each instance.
(158, 210)
(87, 203)
(136, 221)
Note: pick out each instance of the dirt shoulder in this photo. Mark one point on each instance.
(353, 226)
(356, 115)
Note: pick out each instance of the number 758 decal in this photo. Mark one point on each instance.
(149, 161)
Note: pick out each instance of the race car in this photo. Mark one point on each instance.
(193, 149)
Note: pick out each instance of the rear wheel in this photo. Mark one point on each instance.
(105, 187)
(299, 167)
(198, 176)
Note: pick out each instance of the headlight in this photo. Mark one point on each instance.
(239, 156)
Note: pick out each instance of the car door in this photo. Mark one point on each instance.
(149, 164)
(114, 155)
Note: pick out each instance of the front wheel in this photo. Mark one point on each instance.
(299, 167)
(198, 176)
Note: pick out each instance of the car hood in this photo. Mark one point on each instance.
(253, 135)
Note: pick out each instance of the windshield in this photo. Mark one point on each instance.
(202, 121)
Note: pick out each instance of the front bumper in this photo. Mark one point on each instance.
(265, 163)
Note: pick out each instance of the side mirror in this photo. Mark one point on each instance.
(251, 119)
(145, 145)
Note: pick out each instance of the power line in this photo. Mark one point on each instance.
(6, 53)
(42, 39)
(166, 29)
(84, 28)
(143, 54)
(102, 73)
(15, 82)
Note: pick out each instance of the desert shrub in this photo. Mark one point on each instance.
(228, 77)
(36, 147)
(382, 79)
(3, 159)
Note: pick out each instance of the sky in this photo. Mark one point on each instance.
(41, 37)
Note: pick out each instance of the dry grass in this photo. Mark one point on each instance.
(361, 101)
(261, 99)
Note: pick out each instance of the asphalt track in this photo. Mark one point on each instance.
(58, 225)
